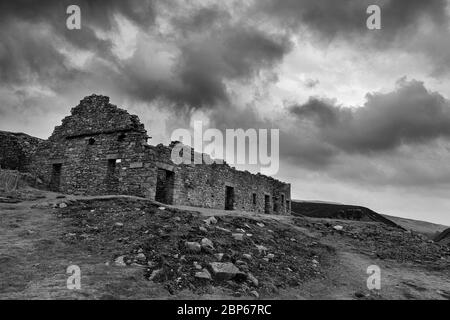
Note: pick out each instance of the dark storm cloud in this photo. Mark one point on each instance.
(94, 13)
(409, 115)
(413, 26)
(30, 31)
(317, 133)
(233, 53)
(205, 63)
(348, 17)
(201, 19)
(211, 49)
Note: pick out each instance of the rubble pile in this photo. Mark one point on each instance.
(184, 250)
(384, 242)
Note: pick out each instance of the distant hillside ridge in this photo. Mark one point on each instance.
(443, 237)
(328, 210)
(430, 229)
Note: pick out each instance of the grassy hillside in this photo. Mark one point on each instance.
(318, 209)
(338, 211)
(424, 227)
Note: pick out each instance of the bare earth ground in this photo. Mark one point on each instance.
(311, 260)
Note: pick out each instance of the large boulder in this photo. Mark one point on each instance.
(224, 270)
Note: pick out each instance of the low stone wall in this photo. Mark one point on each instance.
(9, 180)
(205, 186)
(16, 150)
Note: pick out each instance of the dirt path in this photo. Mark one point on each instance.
(398, 281)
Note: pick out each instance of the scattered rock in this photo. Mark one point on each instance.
(62, 205)
(204, 274)
(270, 256)
(118, 224)
(238, 236)
(177, 219)
(260, 224)
(219, 256)
(223, 229)
(120, 261)
(314, 261)
(252, 279)
(162, 208)
(210, 220)
(155, 273)
(41, 205)
(141, 257)
(338, 228)
(261, 249)
(224, 271)
(255, 294)
(207, 245)
(197, 266)
(203, 229)
(193, 246)
(247, 256)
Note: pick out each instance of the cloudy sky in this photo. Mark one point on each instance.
(364, 115)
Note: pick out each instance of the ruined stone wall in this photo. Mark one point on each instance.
(205, 186)
(101, 149)
(16, 150)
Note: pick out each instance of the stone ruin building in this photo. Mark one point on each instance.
(101, 149)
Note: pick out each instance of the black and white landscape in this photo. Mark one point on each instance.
(94, 206)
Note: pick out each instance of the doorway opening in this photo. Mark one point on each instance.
(275, 204)
(55, 180)
(112, 180)
(266, 204)
(165, 184)
(229, 198)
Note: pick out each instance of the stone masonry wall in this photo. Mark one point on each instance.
(101, 149)
(87, 146)
(16, 150)
(205, 186)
